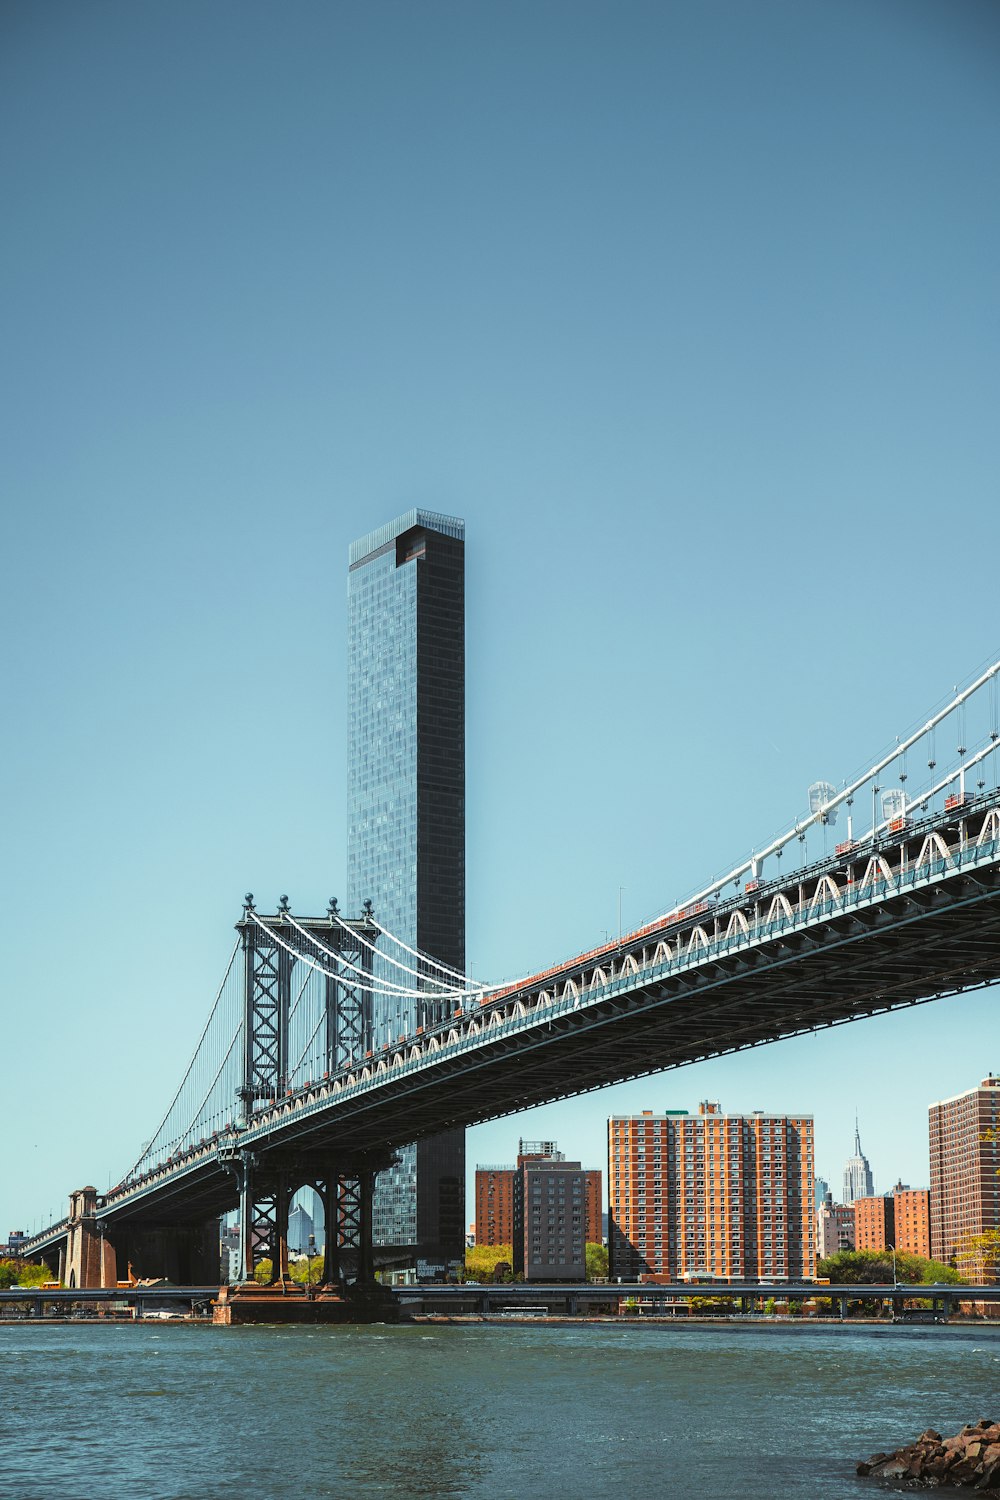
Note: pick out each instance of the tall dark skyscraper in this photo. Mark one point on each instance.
(406, 815)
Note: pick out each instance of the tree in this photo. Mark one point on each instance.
(307, 1272)
(712, 1307)
(481, 1261)
(263, 1271)
(876, 1267)
(978, 1255)
(15, 1272)
(597, 1262)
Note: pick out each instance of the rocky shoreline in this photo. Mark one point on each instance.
(969, 1460)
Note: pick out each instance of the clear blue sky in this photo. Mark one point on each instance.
(691, 310)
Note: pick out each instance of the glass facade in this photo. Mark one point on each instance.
(406, 814)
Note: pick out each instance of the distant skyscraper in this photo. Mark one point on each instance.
(301, 1230)
(858, 1180)
(822, 1188)
(965, 1158)
(406, 814)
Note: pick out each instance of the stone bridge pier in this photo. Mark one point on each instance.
(89, 1259)
(99, 1254)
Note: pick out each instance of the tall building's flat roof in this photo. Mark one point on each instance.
(674, 1114)
(992, 1082)
(383, 535)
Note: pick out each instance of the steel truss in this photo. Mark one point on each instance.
(268, 1183)
(268, 964)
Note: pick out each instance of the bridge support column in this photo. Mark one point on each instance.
(366, 1257)
(327, 1187)
(279, 1266)
(244, 1176)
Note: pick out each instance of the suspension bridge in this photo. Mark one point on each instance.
(331, 1043)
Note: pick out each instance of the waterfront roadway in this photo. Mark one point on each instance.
(488, 1300)
(482, 1300)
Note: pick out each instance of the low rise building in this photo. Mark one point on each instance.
(553, 1217)
(495, 1195)
(834, 1228)
(874, 1223)
(912, 1212)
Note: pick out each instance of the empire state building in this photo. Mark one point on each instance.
(858, 1181)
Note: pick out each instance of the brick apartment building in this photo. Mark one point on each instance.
(725, 1196)
(495, 1195)
(965, 1158)
(834, 1227)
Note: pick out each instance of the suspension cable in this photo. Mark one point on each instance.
(397, 963)
(364, 982)
(822, 812)
(424, 957)
(308, 1044)
(194, 1058)
(208, 1092)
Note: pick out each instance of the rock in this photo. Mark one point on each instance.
(969, 1459)
(894, 1468)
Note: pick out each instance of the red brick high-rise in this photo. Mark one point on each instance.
(874, 1224)
(965, 1158)
(913, 1219)
(725, 1196)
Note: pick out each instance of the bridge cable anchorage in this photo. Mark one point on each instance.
(469, 984)
(928, 729)
(384, 988)
(190, 1066)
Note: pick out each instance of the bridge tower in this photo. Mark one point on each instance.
(273, 947)
(90, 1259)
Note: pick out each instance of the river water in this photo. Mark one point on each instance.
(183, 1412)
